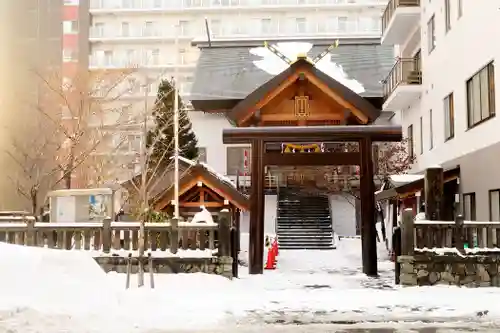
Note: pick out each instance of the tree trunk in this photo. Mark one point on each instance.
(34, 201)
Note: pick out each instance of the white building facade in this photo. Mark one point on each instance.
(443, 85)
(155, 37)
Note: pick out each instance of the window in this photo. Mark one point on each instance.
(411, 149)
(148, 29)
(108, 57)
(125, 29)
(431, 35)
(184, 28)
(265, 26)
(481, 96)
(70, 27)
(421, 135)
(300, 25)
(449, 117)
(470, 206)
(342, 24)
(447, 15)
(202, 155)
(155, 56)
(431, 132)
(460, 8)
(238, 161)
(215, 27)
(494, 199)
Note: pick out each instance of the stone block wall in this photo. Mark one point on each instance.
(470, 270)
(168, 265)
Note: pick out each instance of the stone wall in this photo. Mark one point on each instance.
(469, 270)
(167, 265)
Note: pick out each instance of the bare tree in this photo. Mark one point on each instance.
(68, 124)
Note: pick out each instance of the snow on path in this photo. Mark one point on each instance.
(48, 291)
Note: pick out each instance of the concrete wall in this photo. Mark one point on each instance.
(343, 215)
(270, 208)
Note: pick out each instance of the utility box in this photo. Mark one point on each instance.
(81, 205)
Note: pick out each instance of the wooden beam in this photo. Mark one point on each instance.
(201, 203)
(312, 134)
(290, 116)
(270, 96)
(161, 204)
(311, 159)
(339, 99)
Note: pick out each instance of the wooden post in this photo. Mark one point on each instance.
(174, 235)
(407, 233)
(367, 194)
(235, 240)
(434, 187)
(30, 232)
(129, 270)
(106, 235)
(224, 249)
(256, 242)
(151, 272)
(459, 232)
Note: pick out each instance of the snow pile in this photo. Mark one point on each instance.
(50, 291)
(272, 64)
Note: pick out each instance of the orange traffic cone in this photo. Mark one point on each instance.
(271, 260)
(275, 247)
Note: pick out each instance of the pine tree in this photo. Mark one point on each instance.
(161, 137)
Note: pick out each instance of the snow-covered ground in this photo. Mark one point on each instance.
(44, 291)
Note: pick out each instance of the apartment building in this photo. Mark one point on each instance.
(444, 86)
(155, 36)
(30, 37)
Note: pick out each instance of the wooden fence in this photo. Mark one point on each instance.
(107, 235)
(459, 234)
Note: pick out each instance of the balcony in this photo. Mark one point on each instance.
(403, 84)
(399, 20)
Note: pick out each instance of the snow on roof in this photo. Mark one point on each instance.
(405, 179)
(209, 169)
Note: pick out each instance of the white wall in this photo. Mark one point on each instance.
(270, 209)
(208, 129)
(459, 54)
(343, 215)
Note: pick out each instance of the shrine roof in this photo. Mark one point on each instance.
(192, 171)
(227, 73)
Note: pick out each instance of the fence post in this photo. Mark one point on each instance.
(459, 232)
(30, 232)
(407, 233)
(174, 235)
(224, 249)
(106, 235)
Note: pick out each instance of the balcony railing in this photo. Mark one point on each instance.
(391, 8)
(406, 71)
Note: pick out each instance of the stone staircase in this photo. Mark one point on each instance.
(304, 222)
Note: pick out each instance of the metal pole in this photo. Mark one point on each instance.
(176, 124)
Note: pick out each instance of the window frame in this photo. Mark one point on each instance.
(431, 34)
(472, 196)
(202, 154)
(447, 15)
(421, 135)
(411, 145)
(431, 132)
(490, 202)
(449, 112)
(470, 86)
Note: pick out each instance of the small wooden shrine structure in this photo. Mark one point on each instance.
(304, 106)
(200, 186)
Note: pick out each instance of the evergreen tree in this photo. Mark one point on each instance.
(161, 137)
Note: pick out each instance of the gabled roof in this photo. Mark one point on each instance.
(404, 185)
(302, 64)
(225, 75)
(216, 182)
